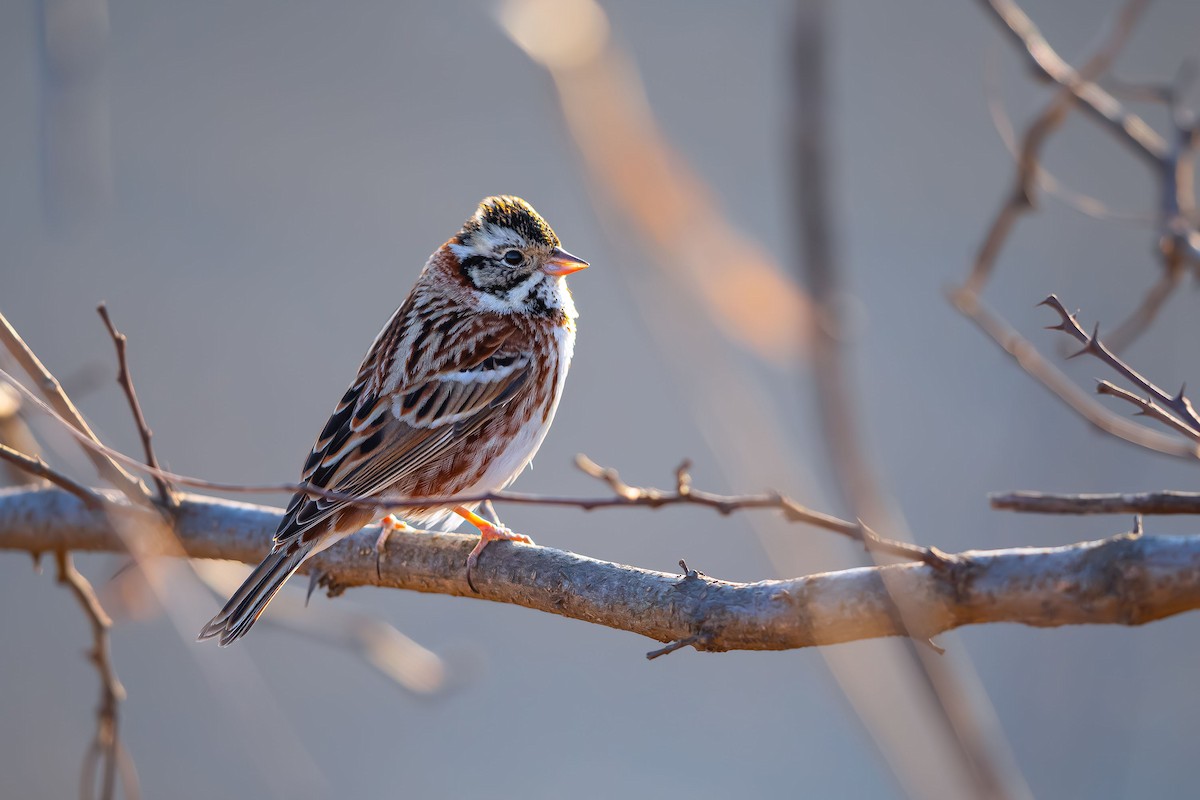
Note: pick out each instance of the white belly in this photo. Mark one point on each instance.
(510, 462)
(515, 457)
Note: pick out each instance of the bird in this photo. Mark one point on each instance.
(453, 398)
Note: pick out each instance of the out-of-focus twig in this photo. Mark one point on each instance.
(14, 433)
(1022, 195)
(1171, 161)
(658, 195)
(1129, 128)
(979, 747)
(34, 465)
(387, 650)
(109, 469)
(106, 749)
(76, 147)
(1166, 502)
(121, 342)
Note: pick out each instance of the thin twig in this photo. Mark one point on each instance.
(120, 341)
(105, 749)
(65, 410)
(1048, 182)
(34, 465)
(624, 496)
(1030, 360)
(1167, 502)
(1147, 408)
(1178, 404)
(673, 646)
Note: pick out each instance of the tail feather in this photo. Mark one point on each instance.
(252, 597)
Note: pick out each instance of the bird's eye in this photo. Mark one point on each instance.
(513, 257)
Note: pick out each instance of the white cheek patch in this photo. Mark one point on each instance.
(517, 295)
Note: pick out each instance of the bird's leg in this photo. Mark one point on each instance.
(388, 525)
(488, 532)
(489, 510)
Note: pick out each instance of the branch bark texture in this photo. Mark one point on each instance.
(1126, 579)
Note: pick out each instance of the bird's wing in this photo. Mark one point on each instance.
(380, 433)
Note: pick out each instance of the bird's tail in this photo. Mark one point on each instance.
(252, 597)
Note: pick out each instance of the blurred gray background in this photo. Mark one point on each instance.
(279, 173)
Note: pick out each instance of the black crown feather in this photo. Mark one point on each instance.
(507, 211)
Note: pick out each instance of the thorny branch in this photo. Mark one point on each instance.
(1029, 359)
(121, 342)
(105, 750)
(1175, 410)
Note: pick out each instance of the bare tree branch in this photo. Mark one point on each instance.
(1124, 580)
(1178, 412)
(1166, 502)
(125, 379)
(1030, 360)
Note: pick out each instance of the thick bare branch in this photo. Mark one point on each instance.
(1122, 580)
(1167, 502)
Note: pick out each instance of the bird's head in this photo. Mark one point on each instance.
(510, 256)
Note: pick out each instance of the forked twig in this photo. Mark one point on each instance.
(120, 341)
(1021, 198)
(1184, 417)
(684, 494)
(1029, 359)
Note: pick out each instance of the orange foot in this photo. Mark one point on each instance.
(487, 533)
(389, 524)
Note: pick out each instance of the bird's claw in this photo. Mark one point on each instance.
(490, 533)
